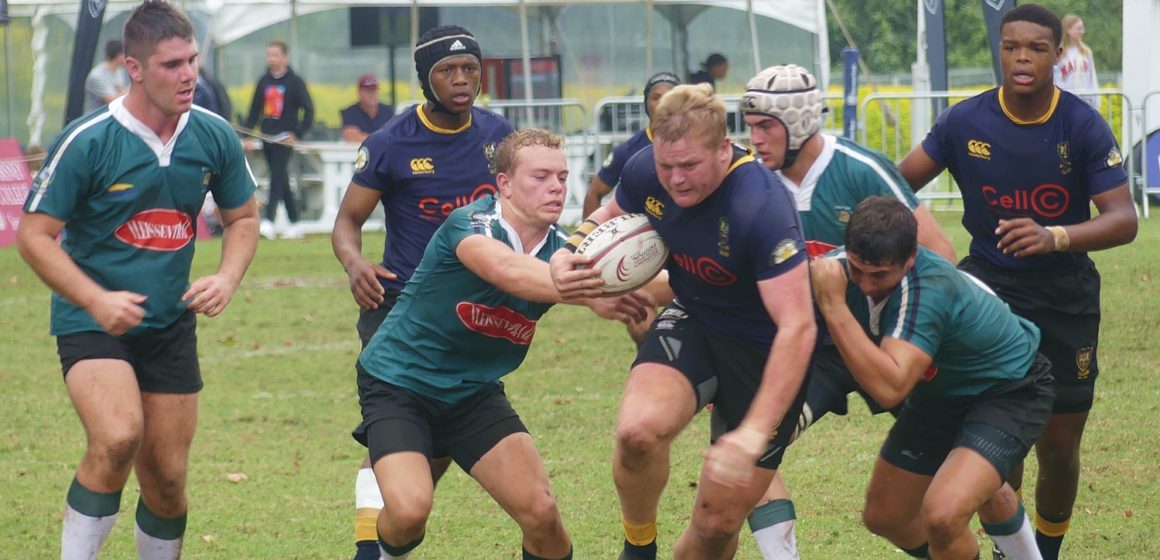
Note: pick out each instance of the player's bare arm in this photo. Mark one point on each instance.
(1115, 225)
(115, 312)
(525, 276)
(888, 372)
(918, 168)
(931, 236)
(786, 298)
(597, 190)
(346, 239)
(212, 294)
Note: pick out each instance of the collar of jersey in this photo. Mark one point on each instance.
(436, 129)
(164, 152)
(648, 134)
(803, 194)
(1040, 120)
(514, 236)
(749, 156)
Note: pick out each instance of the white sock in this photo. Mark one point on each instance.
(366, 490)
(82, 536)
(772, 524)
(1019, 545)
(153, 548)
(384, 555)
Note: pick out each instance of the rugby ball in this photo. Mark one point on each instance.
(627, 251)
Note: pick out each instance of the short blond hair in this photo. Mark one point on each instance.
(689, 110)
(506, 155)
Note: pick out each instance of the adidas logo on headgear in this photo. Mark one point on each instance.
(457, 46)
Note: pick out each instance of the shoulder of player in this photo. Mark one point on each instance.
(209, 120)
(88, 134)
(488, 120)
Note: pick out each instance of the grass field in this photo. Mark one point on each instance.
(280, 401)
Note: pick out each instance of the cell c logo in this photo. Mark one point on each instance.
(713, 273)
(1050, 201)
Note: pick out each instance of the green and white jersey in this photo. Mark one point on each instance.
(975, 340)
(844, 175)
(130, 204)
(451, 332)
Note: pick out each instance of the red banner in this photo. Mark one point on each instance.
(14, 183)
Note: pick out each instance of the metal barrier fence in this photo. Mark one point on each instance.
(1145, 186)
(893, 123)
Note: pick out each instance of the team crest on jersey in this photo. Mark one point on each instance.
(723, 237)
(159, 229)
(979, 149)
(496, 322)
(1083, 362)
(1063, 149)
(654, 207)
(489, 153)
(607, 160)
(361, 159)
(1114, 158)
(784, 251)
(206, 176)
(843, 213)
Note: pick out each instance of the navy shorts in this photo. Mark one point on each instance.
(397, 419)
(1065, 305)
(164, 360)
(721, 369)
(1001, 424)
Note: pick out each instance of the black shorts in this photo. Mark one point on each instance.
(1066, 308)
(830, 383)
(1001, 424)
(397, 419)
(164, 360)
(370, 319)
(722, 369)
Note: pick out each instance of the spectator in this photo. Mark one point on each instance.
(279, 97)
(368, 115)
(714, 68)
(107, 80)
(1076, 69)
(211, 94)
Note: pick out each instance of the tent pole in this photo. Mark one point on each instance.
(294, 34)
(414, 41)
(753, 37)
(648, 37)
(8, 77)
(527, 64)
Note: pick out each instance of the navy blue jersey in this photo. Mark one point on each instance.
(355, 116)
(1046, 170)
(614, 164)
(424, 172)
(746, 231)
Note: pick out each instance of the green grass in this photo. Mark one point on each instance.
(280, 401)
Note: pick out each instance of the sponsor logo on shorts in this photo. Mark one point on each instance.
(654, 207)
(1083, 362)
(160, 229)
(496, 322)
(979, 149)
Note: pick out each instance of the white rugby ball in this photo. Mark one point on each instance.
(627, 251)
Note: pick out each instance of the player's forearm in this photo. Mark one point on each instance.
(239, 243)
(873, 369)
(1105, 231)
(525, 277)
(57, 269)
(346, 240)
(784, 373)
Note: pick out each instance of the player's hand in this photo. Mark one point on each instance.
(828, 277)
(629, 308)
(731, 461)
(209, 295)
(1023, 237)
(364, 282)
(571, 277)
(117, 312)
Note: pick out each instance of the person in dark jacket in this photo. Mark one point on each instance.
(285, 112)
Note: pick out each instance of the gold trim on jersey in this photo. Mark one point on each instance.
(1040, 120)
(749, 156)
(648, 133)
(437, 129)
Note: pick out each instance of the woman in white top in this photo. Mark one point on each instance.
(1076, 69)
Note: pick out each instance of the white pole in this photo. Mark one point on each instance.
(648, 37)
(527, 63)
(753, 37)
(415, 97)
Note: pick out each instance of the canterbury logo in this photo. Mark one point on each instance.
(457, 46)
(654, 207)
(979, 149)
(422, 166)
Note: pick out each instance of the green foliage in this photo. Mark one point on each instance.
(280, 401)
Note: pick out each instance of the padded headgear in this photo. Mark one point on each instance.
(435, 45)
(656, 80)
(788, 93)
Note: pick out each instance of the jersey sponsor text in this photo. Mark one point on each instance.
(159, 229)
(497, 322)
